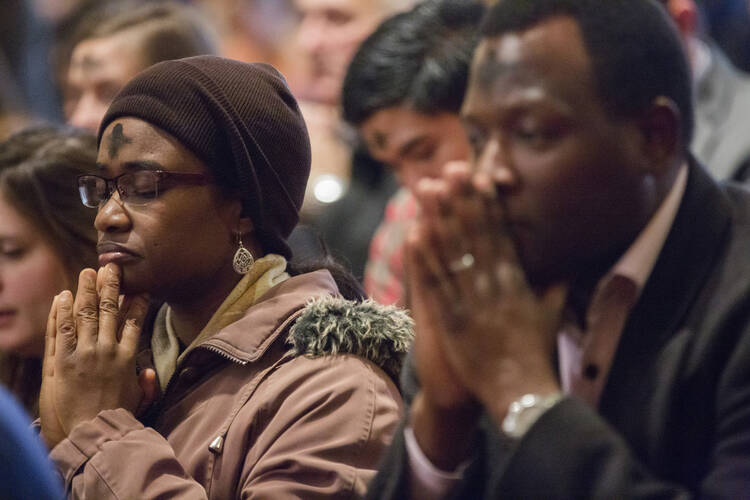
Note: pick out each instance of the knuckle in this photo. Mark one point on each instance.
(108, 305)
(66, 328)
(86, 351)
(111, 287)
(108, 351)
(132, 324)
(88, 313)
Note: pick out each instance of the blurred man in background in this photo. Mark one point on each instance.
(348, 191)
(722, 98)
(329, 33)
(403, 92)
(111, 51)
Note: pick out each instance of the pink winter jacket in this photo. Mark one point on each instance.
(257, 411)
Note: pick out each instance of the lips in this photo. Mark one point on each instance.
(114, 252)
(6, 316)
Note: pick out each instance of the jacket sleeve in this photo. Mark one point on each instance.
(114, 457)
(572, 452)
(323, 430)
(325, 425)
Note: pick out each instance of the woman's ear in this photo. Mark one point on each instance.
(232, 213)
(245, 225)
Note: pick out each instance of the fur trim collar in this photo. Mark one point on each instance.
(333, 325)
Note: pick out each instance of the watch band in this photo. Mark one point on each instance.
(523, 412)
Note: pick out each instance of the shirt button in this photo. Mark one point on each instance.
(591, 371)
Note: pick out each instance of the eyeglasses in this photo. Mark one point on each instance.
(135, 188)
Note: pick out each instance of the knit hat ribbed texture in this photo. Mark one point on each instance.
(242, 121)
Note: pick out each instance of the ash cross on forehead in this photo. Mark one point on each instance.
(117, 140)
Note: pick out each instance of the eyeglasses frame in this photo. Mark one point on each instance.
(178, 178)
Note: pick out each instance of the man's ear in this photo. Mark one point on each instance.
(661, 125)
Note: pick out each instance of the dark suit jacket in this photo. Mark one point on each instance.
(674, 419)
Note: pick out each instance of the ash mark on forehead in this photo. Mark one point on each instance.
(380, 140)
(491, 70)
(117, 139)
(90, 63)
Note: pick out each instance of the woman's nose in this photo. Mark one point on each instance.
(112, 216)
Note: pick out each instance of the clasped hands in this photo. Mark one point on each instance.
(89, 357)
(484, 337)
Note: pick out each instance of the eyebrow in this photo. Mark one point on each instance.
(380, 139)
(90, 63)
(9, 238)
(86, 63)
(133, 166)
(519, 100)
(411, 145)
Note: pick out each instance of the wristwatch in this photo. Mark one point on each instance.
(523, 412)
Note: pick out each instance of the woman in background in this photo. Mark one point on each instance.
(46, 238)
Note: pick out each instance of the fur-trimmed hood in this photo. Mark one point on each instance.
(334, 325)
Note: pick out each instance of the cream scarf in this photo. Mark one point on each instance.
(265, 273)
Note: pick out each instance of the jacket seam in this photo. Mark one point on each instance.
(104, 481)
(368, 422)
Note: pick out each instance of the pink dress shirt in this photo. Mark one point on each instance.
(384, 272)
(585, 358)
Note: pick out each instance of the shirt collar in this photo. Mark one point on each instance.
(638, 261)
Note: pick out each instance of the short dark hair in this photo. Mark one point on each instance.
(419, 58)
(38, 167)
(635, 51)
(168, 31)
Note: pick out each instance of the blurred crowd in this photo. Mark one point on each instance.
(63, 61)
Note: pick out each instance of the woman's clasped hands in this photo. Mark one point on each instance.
(89, 359)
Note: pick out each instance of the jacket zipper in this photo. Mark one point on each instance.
(211, 348)
(159, 406)
(221, 353)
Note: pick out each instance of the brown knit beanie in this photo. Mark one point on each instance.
(242, 121)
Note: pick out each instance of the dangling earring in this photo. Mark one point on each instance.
(243, 259)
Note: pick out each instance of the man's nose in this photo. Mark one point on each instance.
(494, 161)
(408, 176)
(311, 34)
(87, 113)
